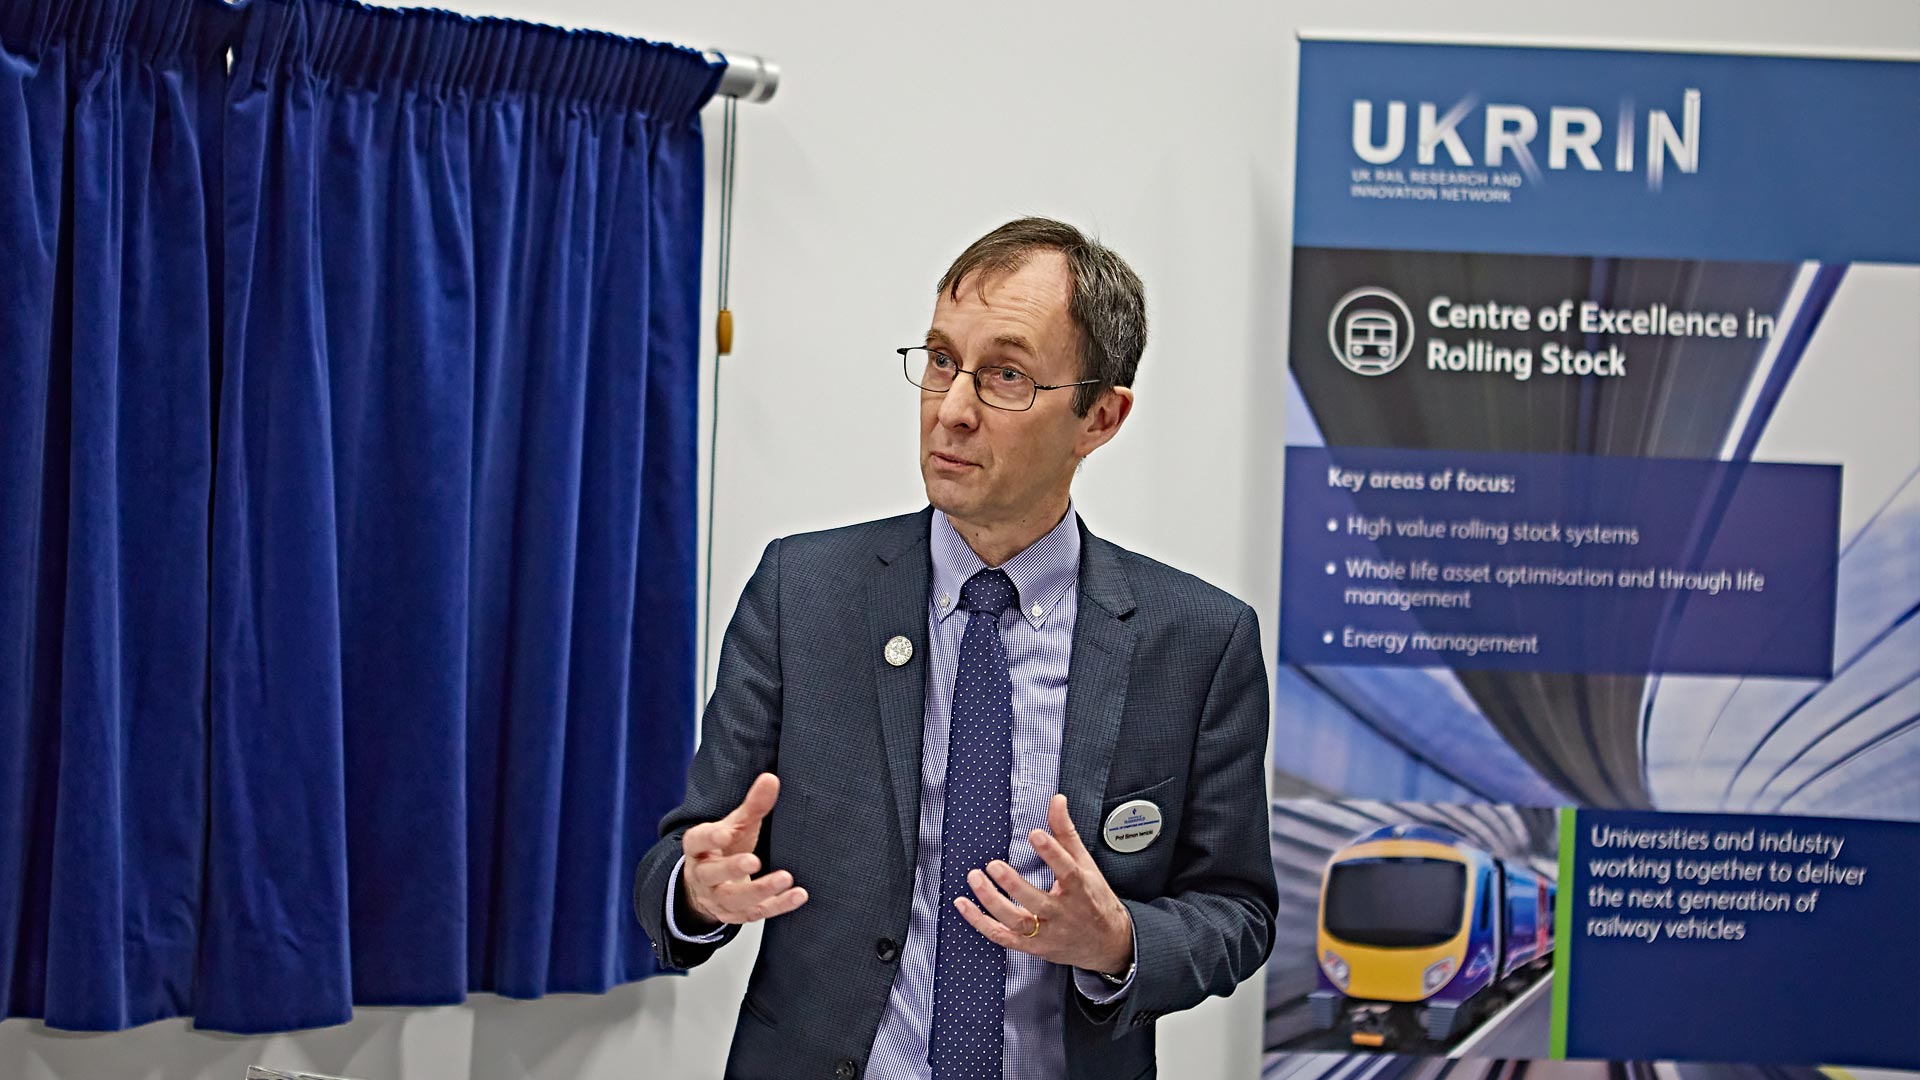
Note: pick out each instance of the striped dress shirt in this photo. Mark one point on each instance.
(1038, 636)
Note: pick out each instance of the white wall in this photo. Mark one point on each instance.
(900, 132)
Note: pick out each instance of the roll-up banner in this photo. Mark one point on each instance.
(1597, 696)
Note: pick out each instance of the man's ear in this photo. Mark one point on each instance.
(1103, 421)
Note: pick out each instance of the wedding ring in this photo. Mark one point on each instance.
(1035, 932)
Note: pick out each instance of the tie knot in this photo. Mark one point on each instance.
(989, 591)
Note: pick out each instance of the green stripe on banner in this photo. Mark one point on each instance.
(1563, 933)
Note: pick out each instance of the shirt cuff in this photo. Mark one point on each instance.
(1100, 990)
(673, 890)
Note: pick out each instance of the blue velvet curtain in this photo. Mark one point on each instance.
(409, 702)
(108, 152)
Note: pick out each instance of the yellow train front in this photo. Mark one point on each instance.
(1420, 933)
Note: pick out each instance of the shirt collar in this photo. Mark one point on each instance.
(1041, 574)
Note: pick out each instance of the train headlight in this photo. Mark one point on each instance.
(1436, 975)
(1335, 968)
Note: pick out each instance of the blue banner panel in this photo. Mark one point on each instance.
(1728, 937)
(1591, 152)
(1558, 562)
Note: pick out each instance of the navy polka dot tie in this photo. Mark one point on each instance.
(970, 972)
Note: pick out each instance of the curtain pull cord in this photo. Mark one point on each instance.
(723, 346)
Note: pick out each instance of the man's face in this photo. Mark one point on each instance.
(987, 467)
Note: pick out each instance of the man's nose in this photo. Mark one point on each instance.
(960, 406)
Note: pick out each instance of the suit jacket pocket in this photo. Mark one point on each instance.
(1154, 793)
(754, 1006)
(1139, 874)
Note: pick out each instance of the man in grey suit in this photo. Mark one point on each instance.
(996, 784)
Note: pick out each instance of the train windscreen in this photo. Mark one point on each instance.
(1396, 903)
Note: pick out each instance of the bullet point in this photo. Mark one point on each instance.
(1327, 637)
(1332, 525)
(1330, 568)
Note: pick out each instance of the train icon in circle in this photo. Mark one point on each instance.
(1371, 331)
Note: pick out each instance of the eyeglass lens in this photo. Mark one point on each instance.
(1002, 387)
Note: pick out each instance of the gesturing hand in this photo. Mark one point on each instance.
(1081, 922)
(717, 877)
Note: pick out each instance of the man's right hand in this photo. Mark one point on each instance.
(717, 877)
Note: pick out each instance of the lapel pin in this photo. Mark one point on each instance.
(899, 650)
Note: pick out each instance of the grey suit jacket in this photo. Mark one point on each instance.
(1166, 700)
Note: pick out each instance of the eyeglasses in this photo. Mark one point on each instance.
(1000, 387)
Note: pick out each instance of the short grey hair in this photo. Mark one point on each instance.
(1106, 301)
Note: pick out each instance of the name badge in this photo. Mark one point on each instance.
(1132, 826)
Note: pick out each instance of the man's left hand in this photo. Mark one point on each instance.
(1081, 923)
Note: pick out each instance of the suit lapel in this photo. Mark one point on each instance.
(897, 607)
(1096, 681)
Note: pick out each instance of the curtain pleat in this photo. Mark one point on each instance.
(377, 696)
